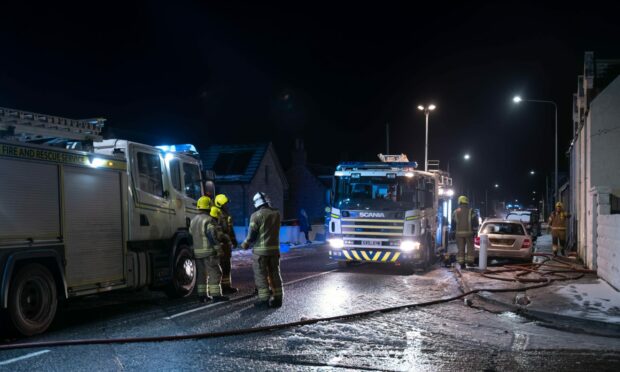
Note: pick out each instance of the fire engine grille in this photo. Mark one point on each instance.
(366, 228)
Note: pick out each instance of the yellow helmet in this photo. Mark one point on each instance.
(559, 204)
(220, 200)
(204, 203)
(216, 212)
(463, 199)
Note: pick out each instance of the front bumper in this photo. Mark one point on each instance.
(375, 255)
(523, 253)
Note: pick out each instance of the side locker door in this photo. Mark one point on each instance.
(177, 196)
(151, 197)
(192, 188)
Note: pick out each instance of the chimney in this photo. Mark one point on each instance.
(299, 154)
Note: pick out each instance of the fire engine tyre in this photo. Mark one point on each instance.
(183, 274)
(33, 300)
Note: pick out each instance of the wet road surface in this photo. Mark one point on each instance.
(450, 336)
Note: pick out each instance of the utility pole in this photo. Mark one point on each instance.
(387, 138)
(547, 192)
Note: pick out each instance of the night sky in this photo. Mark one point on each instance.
(177, 72)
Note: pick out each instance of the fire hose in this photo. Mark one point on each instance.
(546, 278)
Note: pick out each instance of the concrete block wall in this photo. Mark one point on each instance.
(608, 248)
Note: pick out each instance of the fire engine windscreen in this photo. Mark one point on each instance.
(383, 192)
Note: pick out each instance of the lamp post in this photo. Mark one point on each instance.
(518, 99)
(427, 110)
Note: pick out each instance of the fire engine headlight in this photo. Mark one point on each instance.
(408, 246)
(336, 243)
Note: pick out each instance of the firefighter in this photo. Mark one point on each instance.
(226, 224)
(464, 223)
(264, 235)
(557, 223)
(207, 250)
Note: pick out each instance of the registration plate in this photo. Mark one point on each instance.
(372, 243)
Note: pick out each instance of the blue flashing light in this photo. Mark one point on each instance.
(509, 206)
(178, 148)
(350, 165)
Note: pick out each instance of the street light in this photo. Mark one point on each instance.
(427, 110)
(496, 185)
(532, 172)
(518, 99)
(466, 157)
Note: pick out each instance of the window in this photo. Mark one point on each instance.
(150, 174)
(192, 181)
(175, 174)
(502, 228)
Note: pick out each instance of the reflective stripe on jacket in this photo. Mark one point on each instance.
(264, 232)
(199, 228)
(558, 221)
(462, 218)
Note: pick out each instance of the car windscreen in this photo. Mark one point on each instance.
(519, 217)
(502, 228)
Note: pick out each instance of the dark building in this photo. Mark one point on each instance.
(243, 170)
(309, 186)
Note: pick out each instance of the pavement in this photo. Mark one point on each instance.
(587, 305)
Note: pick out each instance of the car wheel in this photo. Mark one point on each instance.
(183, 274)
(33, 300)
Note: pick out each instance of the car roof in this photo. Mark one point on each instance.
(496, 220)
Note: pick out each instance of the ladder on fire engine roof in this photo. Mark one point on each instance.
(402, 158)
(29, 127)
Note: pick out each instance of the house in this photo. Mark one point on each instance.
(309, 186)
(595, 168)
(243, 170)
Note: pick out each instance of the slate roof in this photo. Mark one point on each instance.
(237, 163)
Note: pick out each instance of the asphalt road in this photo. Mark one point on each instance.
(451, 336)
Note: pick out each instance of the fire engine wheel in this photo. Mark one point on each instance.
(33, 300)
(183, 275)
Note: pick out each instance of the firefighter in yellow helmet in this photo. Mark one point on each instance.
(558, 221)
(264, 235)
(230, 241)
(207, 251)
(464, 223)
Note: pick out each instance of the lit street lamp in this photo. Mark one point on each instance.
(517, 100)
(532, 172)
(427, 110)
(466, 157)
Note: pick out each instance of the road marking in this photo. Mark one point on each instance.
(225, 302)
(519, 342)
(310, 277)
(3, 363)
(194, 310)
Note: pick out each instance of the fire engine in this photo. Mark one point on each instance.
(80, 215)
(388, 212)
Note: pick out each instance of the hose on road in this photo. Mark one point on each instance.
(547, 273)
(551, 268)
(268, 328)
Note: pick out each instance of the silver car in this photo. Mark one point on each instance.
(507, 239)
